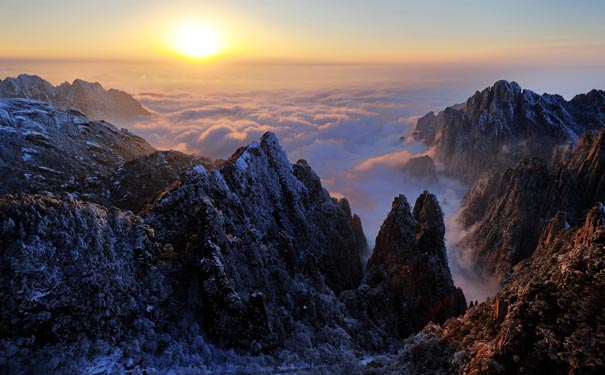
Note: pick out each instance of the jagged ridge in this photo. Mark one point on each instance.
(89, 98)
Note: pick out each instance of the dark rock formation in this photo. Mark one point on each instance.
(258, 224)
(587, 165)
(506, 215)
(422, 167)
(89, 98)
(408, 283)
(135, 183)
(498, 126)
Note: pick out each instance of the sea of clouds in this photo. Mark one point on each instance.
(356, 139)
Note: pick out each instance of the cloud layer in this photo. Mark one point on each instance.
(351, 137)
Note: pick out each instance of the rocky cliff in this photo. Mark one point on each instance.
(268, 235)
(87, 97)
(249, 261)
(422, 167)
(547, 319)
(498, 126)
(506, 212)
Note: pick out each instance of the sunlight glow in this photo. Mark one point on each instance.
(196, 41)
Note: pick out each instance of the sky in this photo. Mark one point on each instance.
(352, 31)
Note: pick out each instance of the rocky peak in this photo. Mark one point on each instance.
(27, 86)
(503, 124)
(274, 229)
(593, 230)
(431, 229)
(397, 235)
(551, 233)
(90, 98)
(498, 100)
(408, 274)
(546, 319)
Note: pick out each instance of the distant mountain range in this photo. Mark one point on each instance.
(89, 98)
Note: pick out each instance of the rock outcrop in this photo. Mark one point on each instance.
(422, 167)
(408, 282)
(89, 98)
(502, 124)
(547, 319)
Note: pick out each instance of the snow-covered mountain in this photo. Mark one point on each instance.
(498, 126)
(87, 97)
(250, 266)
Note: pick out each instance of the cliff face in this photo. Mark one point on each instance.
(505, 213)
(89, 98)
(548, 318)
(408, 283)
(498, 126)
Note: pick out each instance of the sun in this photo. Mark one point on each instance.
(196, 41)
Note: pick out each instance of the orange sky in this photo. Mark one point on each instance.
(550, 32)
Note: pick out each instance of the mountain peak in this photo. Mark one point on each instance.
(88, 97)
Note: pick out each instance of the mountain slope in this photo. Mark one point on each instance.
(45, 149)
(250, 262)
(548, 318)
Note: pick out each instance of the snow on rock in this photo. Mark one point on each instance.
(71, 269)
(295, 246)
(101, 164)
(498, 126)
